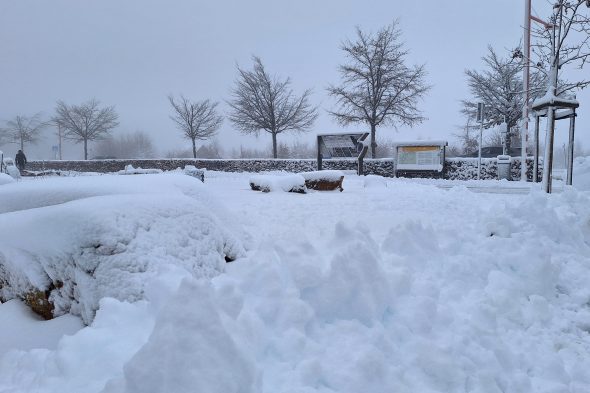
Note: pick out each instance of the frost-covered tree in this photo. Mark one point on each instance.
(261, 102)
(23, 129)
(85, 122)
(377, 86)
(196, 120)
(499, 86)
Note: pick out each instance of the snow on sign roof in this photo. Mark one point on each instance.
(551, 100)
(421, 143)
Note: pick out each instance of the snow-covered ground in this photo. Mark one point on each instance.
(390, 286)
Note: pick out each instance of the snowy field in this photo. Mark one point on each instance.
(389, 286)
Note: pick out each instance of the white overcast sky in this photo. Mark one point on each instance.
(133, 53)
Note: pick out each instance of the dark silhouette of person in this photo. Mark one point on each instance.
(20, 160)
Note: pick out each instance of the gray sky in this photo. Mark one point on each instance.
(133, 53)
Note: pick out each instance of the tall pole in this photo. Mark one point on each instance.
(525, 79)
(570, 151)
(60, 136)
(480, 118)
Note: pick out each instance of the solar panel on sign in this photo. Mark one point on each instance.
(339, 145)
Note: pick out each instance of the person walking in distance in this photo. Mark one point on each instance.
(20, 160)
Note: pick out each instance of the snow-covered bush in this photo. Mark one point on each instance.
(72, 241)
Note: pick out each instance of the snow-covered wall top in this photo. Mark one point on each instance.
(454, 168)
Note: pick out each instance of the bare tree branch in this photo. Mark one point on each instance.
(377, 87)
(23, 129)
(261, 102)
(197, 120)
(85, 122)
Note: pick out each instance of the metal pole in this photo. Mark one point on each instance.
(319, 140)
(548, 158)
(59, 133)
(479, 153)
(570, 153)
(525, 79)
(536, 159)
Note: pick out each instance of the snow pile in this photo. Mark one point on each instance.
(21, 329)
(286, 183)
(581, 174)
(373, 181)
(89, 247)
(399, 289)
(5, 179)
(193, 171)
(328, 175)
(130, 170)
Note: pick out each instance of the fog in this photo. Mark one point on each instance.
(133, 53)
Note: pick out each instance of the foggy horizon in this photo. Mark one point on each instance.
(134, 54)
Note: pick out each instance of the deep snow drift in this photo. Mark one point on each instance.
(389, 286)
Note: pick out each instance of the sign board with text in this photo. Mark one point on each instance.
(420, 156)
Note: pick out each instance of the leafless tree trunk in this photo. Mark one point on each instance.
(24, 129)
(85, 122)
(261, 102)
(377, 86)
(197, 120)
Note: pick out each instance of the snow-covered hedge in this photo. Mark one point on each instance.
(455, 168)
(66, 243)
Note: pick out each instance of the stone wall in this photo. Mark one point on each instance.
(454, 169)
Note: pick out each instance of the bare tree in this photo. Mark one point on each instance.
(196, 120)
(261, 102)
(377, 86)
(85, 122)
(24, 129)
(500, 87)
(565, 40)
(467, 138)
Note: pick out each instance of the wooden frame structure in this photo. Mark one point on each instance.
(563, 109)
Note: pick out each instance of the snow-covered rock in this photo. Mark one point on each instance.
(286, 183)
(79, 246)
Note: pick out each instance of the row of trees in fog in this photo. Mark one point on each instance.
(377, 87)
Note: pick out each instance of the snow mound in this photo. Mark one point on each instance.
(109, 246)
(328, 175)
(54, 191)
(581, 174)
(6, 179)
(286, 183)
(374, 181)
(130, 170)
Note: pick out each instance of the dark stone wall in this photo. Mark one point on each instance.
(454, 169)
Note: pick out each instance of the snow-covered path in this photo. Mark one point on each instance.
(389, 286)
